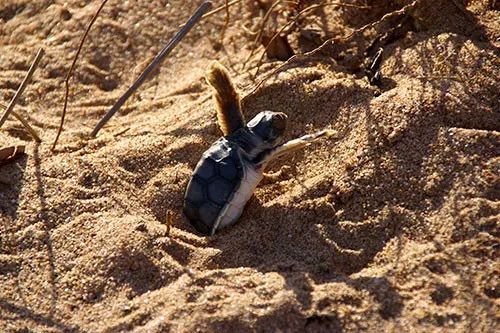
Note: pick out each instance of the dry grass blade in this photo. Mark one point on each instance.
(398, 12)
(25, 123)
(8, 154)
(261, 31)
(68, 75)
(169, 221)
(296, 57)
(30, 129)
(294, 20)
(226, 24)
(221, 8)
(195, 18)
(22, 87)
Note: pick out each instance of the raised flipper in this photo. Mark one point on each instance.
(227, 100)
(294, 145)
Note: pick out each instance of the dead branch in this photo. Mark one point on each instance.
(295, 19)
(297, 57)
(22, 87)
(68, 75)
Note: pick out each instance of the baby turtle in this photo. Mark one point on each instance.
(229, 171)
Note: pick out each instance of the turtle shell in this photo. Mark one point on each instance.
(215, 179)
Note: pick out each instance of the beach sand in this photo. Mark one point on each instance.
(391, 226)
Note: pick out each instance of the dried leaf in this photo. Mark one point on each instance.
(277, 48)
(8, 154)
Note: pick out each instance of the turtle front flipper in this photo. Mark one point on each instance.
(227, 100)
(294, 145)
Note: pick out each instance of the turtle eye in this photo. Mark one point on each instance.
(278, 123)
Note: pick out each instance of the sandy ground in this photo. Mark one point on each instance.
(392, 227)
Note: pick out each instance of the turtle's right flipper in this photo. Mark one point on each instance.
(227, 100)
(294, 145)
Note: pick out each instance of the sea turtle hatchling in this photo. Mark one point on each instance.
(229, 171)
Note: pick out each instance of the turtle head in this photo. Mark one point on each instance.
(268, 126)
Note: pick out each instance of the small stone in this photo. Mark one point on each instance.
(141, 227)
(65, 14)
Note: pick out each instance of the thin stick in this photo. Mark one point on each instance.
(383, 18)
(261, 31)
(68, 75)
(25, 124)
(23, 85)
(305, 55)
(218, 9)
(156, 61)
(169, 221)
(304, 11)
(226, 24)
(122, 132)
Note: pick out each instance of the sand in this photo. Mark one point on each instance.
(391, 227)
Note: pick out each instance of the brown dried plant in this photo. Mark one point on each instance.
(294, 20)
(404, 10)
(9, 109)
(70, 71)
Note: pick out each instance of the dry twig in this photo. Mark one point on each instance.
(121, 132)
(294, 20)
(68, 75)
(169, 221)
(25, 123)
(218, 9)
(22, 87)
(296, 57)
